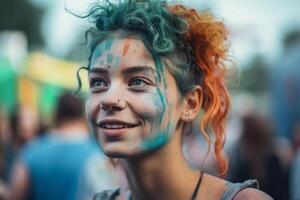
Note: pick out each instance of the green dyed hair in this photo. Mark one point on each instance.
(161, 31)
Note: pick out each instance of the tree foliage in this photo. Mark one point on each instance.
(21, 15)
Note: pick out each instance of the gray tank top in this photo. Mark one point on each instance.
(234, 188)
(231, 191)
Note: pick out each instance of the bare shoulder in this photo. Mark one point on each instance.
(252, 194)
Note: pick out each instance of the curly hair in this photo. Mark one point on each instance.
(195, 43)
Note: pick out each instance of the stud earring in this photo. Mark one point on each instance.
(101, 106)
(187, 117)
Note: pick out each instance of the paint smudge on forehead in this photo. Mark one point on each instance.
(108, 43)
(100, 49)
(109, 58)
(126, 47)
(113, 61)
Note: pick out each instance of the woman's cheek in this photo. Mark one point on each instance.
(147, 106)
(91, 108)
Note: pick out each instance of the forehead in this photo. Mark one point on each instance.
(130, 51)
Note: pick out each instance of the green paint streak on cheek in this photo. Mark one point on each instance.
(160, 70)
(163, 103)
(158, 67)
(157, 140)
(160, 73)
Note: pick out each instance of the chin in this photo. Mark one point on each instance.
(129, 155)
(117, 150)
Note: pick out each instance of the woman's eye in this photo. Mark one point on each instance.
(137, 82)
(98, 84)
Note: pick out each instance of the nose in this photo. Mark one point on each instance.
(112, 101)
(116, 105)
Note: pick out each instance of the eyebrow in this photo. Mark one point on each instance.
(129, 70)
(138, 69)
(98, 70)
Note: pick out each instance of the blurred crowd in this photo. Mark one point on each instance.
(60, 159)
(263, 136)
(63, 161)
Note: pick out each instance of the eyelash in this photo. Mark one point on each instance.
(95, 80)
(142, 80)
(143, 84)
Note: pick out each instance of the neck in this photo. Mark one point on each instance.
(163, 174)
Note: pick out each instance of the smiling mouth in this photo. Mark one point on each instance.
(115, 128)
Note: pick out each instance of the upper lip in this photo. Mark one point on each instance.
(115, 121)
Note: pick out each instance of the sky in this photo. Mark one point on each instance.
(256, 26)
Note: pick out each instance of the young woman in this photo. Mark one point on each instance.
(153, 68)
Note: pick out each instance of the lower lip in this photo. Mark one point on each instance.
(115, 132)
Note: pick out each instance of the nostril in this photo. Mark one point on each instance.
(111, 106)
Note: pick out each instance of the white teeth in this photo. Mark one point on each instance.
(115, 126)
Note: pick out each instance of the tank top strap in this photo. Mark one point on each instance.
(234, 188)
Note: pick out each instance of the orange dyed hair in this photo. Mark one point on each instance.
(208, 38)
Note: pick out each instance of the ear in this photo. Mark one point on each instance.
(192, 104)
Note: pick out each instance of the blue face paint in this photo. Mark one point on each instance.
(158, 67)
(108, 43)
(109, 58)
(163, 103)
(157, 140)
(100, 49)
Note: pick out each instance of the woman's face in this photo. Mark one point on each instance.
(132, 107)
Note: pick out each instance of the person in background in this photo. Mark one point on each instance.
(4, 134)
(285, 94)
(50, 167)
(295, 167)
(23, 126)
(256, 156)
